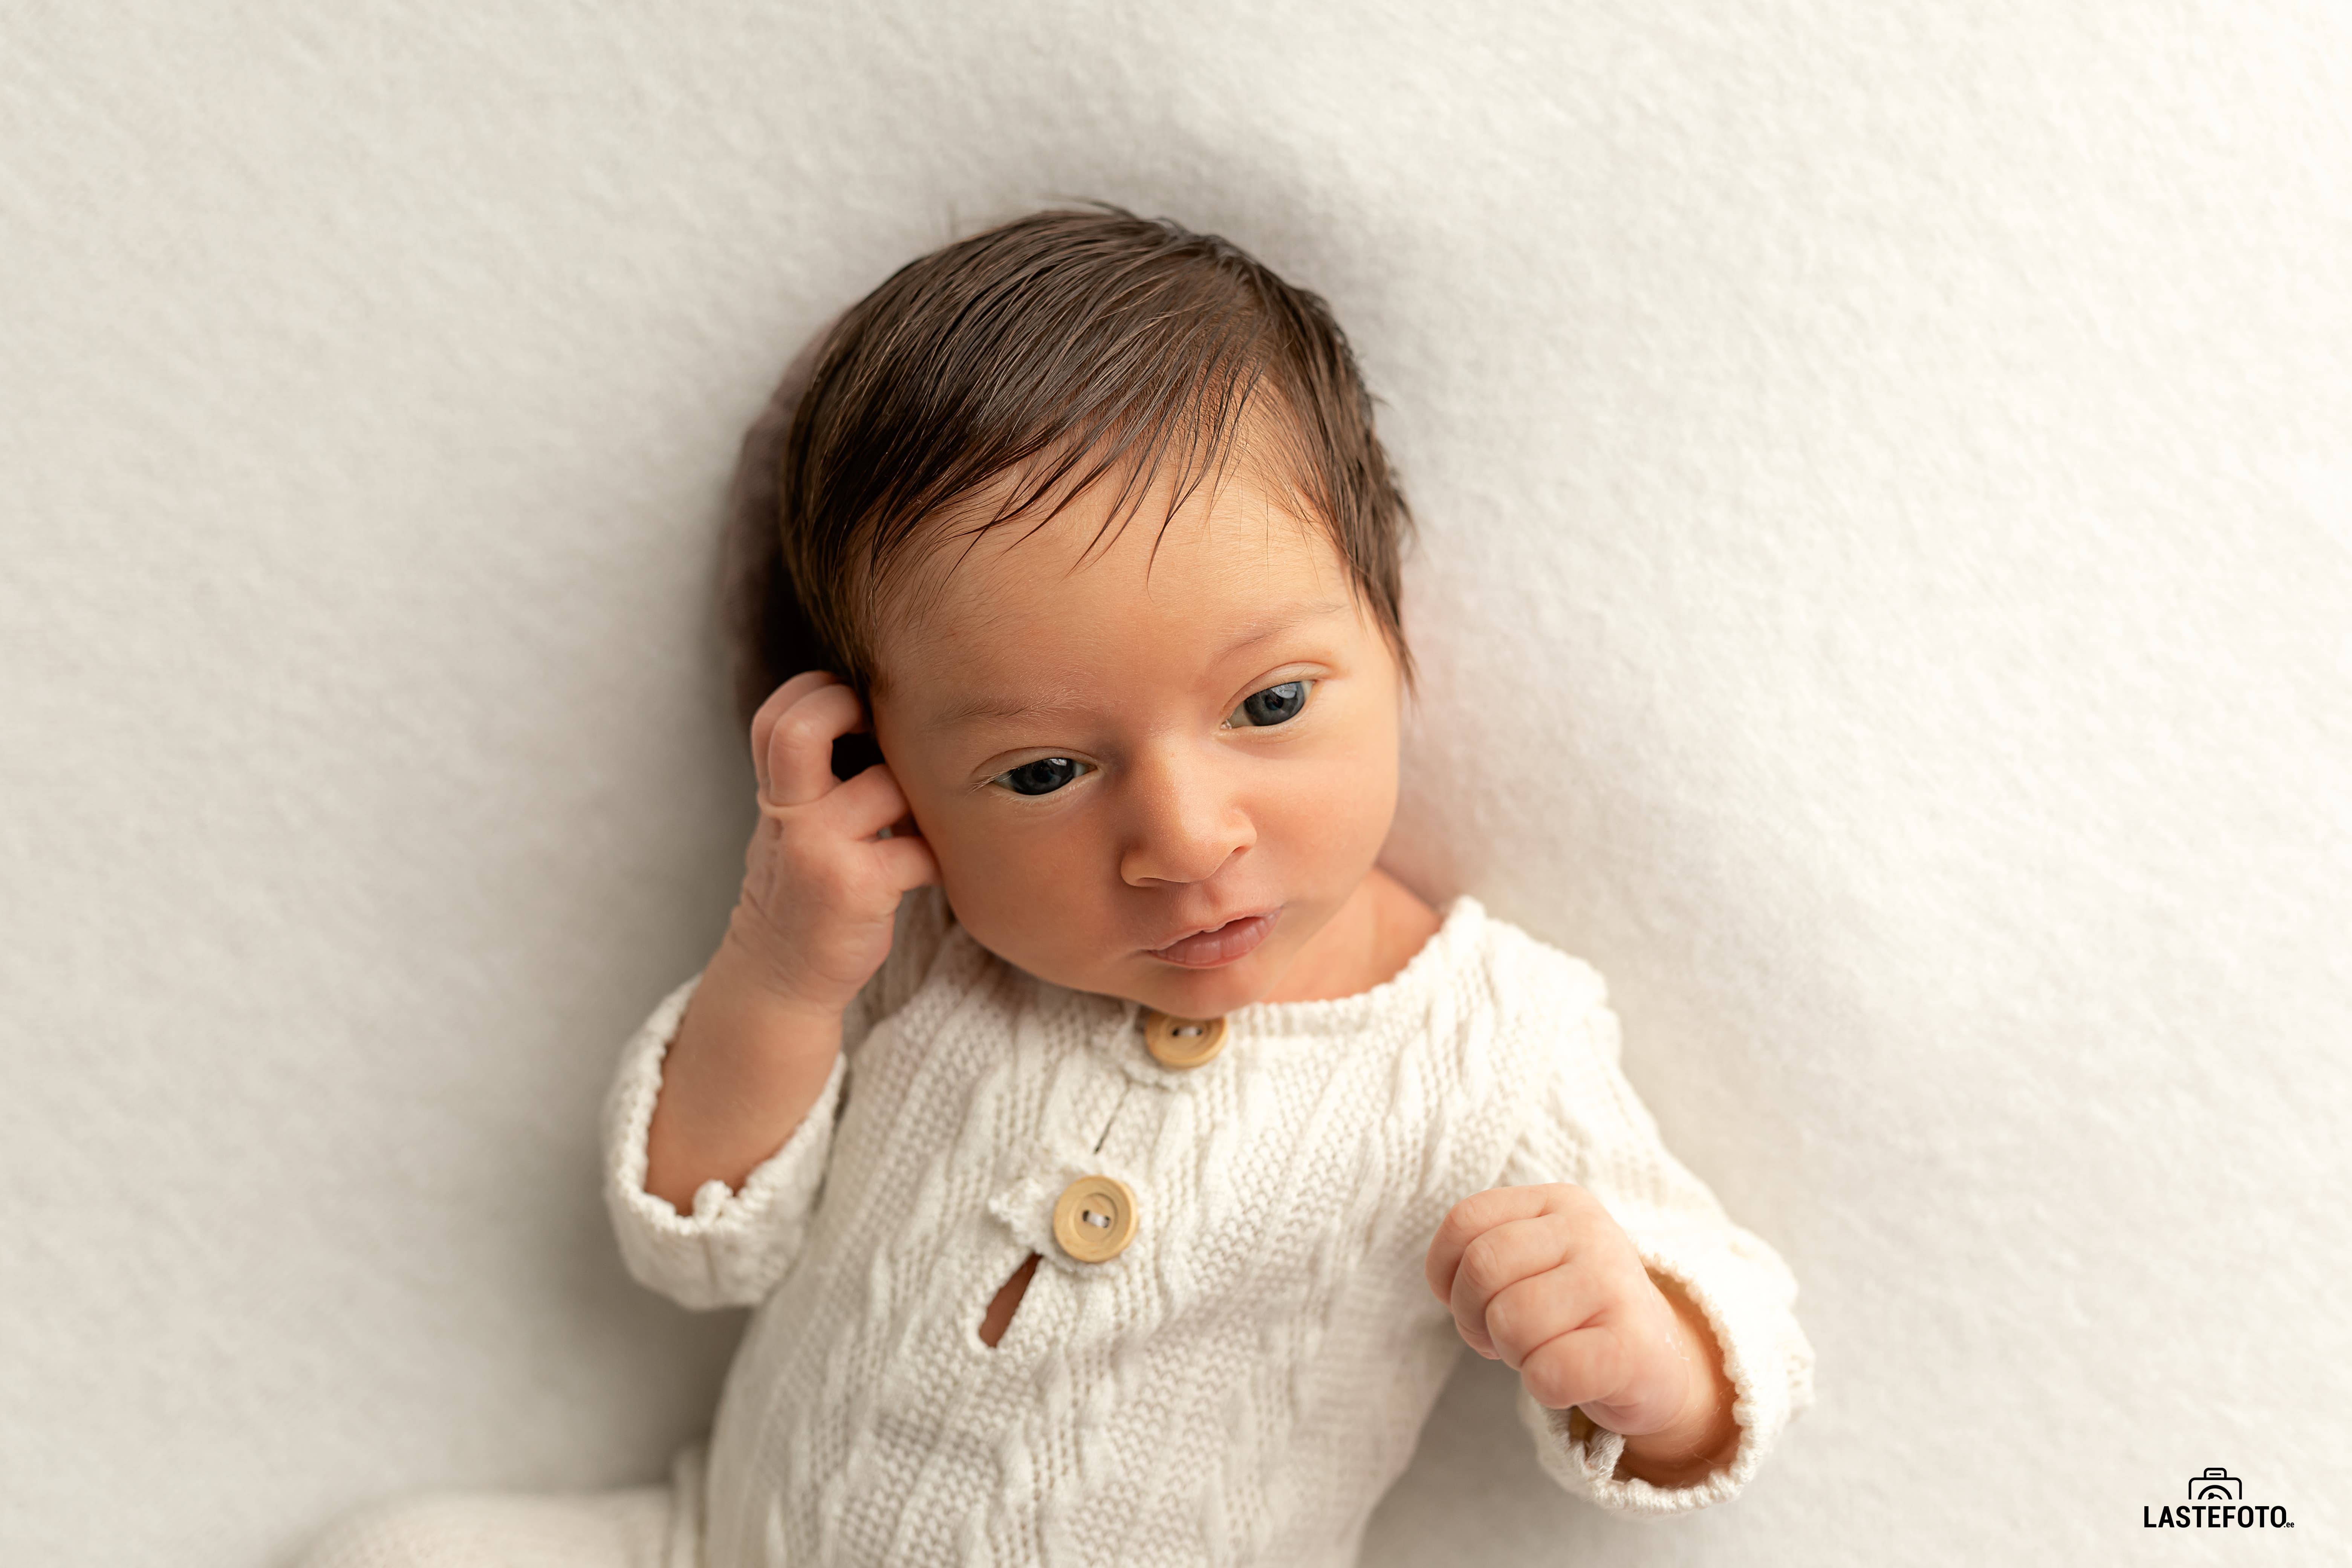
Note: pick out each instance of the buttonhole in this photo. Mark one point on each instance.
(999, 1316)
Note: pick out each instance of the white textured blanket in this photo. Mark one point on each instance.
(1886, 597)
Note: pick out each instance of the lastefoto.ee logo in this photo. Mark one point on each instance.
(2217, 1500)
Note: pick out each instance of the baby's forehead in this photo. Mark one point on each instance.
(1191, 577)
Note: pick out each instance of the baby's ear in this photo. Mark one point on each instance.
(853, 754)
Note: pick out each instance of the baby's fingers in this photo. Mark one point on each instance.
(906, 863)
(763, 722)
(1478, 1214)
(1496, 1261)
(799, 749)
(1530, 1313)
(863, 806)
(1588, 1364)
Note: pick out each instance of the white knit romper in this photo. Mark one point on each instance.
(1239, 1384)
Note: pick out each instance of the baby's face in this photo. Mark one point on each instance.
(1155, 775)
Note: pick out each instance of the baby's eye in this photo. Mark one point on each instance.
(1274, 705)
(1043, 776)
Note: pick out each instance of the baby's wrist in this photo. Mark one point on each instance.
(1703, 1436)
(744, 970)
(1703, 1439)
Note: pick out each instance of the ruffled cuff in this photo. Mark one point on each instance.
(734, 1249)
(1744, 1292)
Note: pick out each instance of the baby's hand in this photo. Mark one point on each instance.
(1544, 1280)
(821, 884)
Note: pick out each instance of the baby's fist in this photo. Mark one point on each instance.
(1544, 1280)
(824, 871)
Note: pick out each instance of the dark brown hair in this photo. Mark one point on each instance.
(1067, 347)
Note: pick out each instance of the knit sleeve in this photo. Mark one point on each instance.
(735, 1247)
(1590, 1128)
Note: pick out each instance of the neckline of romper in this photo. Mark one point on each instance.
(1113, 1024)
(1457, 932)
(1277, 1024)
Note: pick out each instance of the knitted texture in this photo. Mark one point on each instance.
(1241, 1383)
(636, 1527)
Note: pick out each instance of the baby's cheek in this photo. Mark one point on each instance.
(1335, 820)
(1031, 900)
(1312, 858)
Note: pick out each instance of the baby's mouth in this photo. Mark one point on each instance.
(1207, 949)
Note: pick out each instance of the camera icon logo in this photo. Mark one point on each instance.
(2215, 1485)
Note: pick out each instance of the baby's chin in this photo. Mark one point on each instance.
(1188, 993)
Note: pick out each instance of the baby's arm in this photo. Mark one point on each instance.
(811, 926)
(719, 1119)
(1541, 1279)
(1658, 1354)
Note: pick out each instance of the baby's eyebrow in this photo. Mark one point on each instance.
(979, 705)
(1275, 626)
(963, 710)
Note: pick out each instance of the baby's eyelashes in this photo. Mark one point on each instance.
(1043, 776)
(1274, 705)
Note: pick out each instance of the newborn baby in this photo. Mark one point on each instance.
(1115, 1156)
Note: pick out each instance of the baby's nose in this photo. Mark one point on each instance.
(1186, 829)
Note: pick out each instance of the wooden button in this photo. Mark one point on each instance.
(1182, 1042)
(1095, 1218)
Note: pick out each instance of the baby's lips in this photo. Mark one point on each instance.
(1236, 939)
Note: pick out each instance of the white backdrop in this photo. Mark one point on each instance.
(1886, 598)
